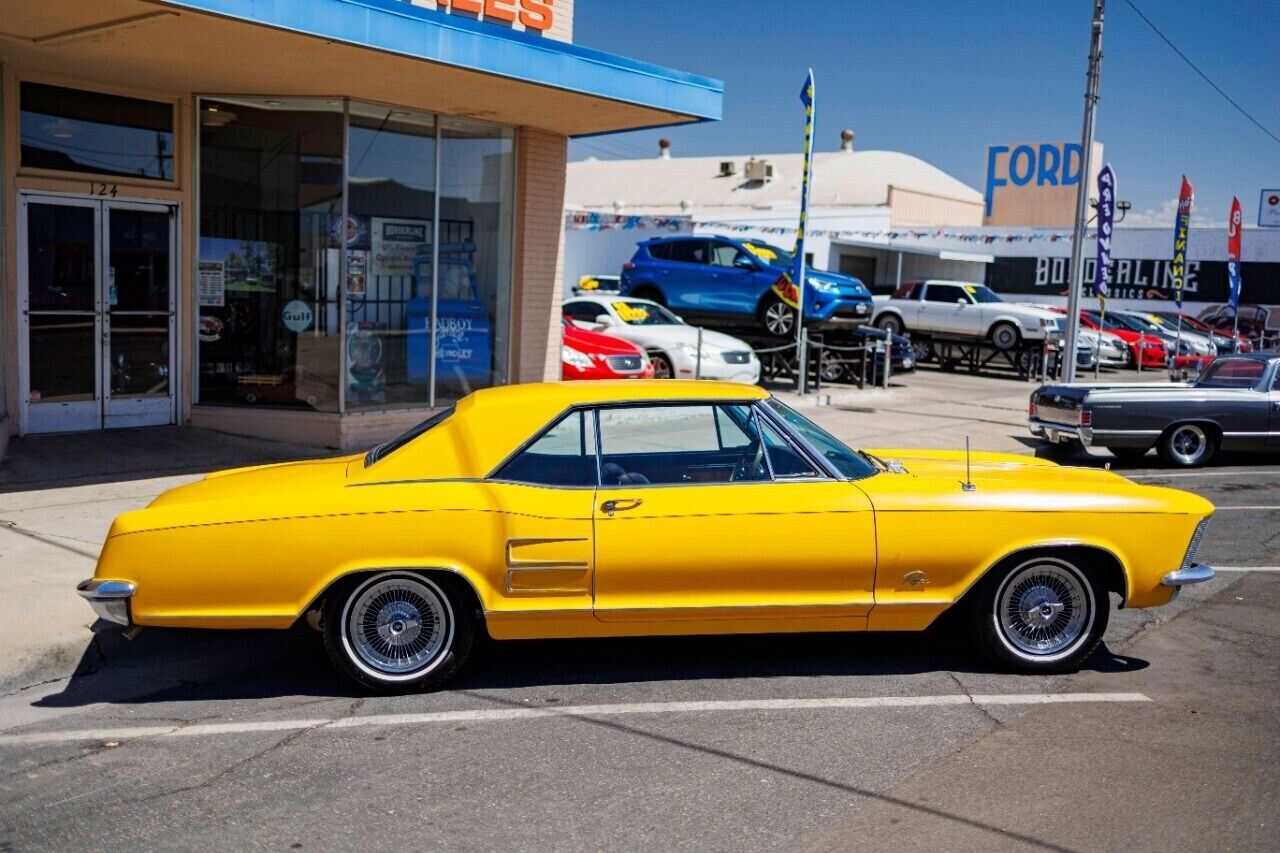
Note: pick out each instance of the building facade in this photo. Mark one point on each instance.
(310, 221)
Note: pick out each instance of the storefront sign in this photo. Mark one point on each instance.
(298, 315)
(537, 15)
(396, 243)
(1035, 184)
(211, 288)
(1134, 278)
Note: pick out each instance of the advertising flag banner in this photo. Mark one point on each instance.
(1233, 254)
(1181, 228)
(1106, 222)
(789, 286)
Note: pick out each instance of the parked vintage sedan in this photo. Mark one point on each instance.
(631, 508)
(1233, 405)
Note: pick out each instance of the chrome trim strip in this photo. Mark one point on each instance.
(515, 564)
(1196, 573)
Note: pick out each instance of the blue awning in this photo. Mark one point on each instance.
(400, 28)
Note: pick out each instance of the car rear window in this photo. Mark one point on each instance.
(1233, 373)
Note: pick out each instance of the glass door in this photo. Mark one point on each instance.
(96, 304)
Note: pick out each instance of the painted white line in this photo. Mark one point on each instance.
(494, 715)
(1175, 475)
(1246, 568)
(1264, 507)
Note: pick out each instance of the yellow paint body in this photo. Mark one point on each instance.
(256, 547)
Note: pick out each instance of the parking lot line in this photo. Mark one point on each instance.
(1256, 507)
(1246, 568)
(492, 715)
(1230, 472)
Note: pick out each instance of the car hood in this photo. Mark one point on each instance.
(951, 464)
(674, 334)
(597, 343)
(848, 286)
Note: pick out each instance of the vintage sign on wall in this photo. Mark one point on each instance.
(1136, 278)
(1035, 183)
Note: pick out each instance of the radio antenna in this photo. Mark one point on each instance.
(968, 469)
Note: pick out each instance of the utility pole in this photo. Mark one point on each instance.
(1082, 196)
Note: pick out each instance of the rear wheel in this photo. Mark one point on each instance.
(1041, 615)
(396, 632)
(831, 368)
(1188, 445)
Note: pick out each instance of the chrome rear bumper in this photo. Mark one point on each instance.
(1060, 433)
(109, 599)
(1195, 573)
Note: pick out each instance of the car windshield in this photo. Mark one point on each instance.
(854, 466)
(1139, 324)
(382, 451)
(1232, 373)
(982, 294)
(636, 313)
(771, 255)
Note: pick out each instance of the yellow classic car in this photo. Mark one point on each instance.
(608, 509)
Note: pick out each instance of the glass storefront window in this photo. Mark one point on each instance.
(270, 252)
(477, 167)
(276, 266)
(75, 131)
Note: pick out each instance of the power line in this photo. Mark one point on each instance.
(1196, 69)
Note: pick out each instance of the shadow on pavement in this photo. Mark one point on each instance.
(167, 665)
(78, 459)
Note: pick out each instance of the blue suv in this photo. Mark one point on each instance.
(728, 282)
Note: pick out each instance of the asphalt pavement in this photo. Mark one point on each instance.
(1167, 739)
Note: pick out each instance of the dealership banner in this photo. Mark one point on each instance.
(788, 286)
(1133, 278)
(1106, 220)
(1181, 228)
(1234, 224)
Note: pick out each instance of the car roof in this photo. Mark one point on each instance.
(601, 299)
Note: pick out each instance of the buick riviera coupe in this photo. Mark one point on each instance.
(631, 508)
(1234, 405)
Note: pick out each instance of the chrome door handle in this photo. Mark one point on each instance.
(610, 507)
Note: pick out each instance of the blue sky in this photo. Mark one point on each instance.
(942, 80)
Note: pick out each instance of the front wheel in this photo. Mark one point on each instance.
(397, 631)
(778, 318)
(891, 323)
(1042, 615)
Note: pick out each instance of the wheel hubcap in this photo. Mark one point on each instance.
(1043, 609)
(1189, 444)
(398, 625)
(777, 317)
(660, 369)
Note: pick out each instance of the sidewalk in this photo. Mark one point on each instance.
(58, 495)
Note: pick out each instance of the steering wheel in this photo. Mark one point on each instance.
(751, 464)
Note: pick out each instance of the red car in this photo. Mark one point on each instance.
(591, 355)
(1242, 342)
(1149, 348)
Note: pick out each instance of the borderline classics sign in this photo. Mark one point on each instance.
(1135, 278)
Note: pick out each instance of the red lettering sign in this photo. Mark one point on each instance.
(533, 14)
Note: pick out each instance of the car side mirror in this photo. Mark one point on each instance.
(962, 302)
(604, 320)
(742, 262)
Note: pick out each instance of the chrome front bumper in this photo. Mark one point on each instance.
(1195, 573)
(109, 599)
(1056, 433)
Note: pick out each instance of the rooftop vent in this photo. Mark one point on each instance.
(846, 140)
(664, 148)
(759, 170)
(728, 168)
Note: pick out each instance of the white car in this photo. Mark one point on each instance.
(1110, 348)
(964, 310)
(671, 344)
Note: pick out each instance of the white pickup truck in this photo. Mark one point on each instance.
(963, 310)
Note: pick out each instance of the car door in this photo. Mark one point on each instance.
(541, 501)
(734, 281)
(686, 281)
(945, 310)
(706, 512)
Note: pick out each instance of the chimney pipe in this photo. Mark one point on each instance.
(846, 140)
(664, 148)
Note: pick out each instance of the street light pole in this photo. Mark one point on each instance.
(1082, 195)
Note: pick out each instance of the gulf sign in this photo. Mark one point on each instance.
(1035, 183)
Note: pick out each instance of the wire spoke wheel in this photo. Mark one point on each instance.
(397, 626)
(1044, 609)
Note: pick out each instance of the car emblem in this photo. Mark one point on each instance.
(915, 579)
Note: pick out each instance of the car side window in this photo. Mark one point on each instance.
(680, 445)
(661, 251)
(564, 455)
(724, 254)
(784, 460)
(688, 251)
(944, 293)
